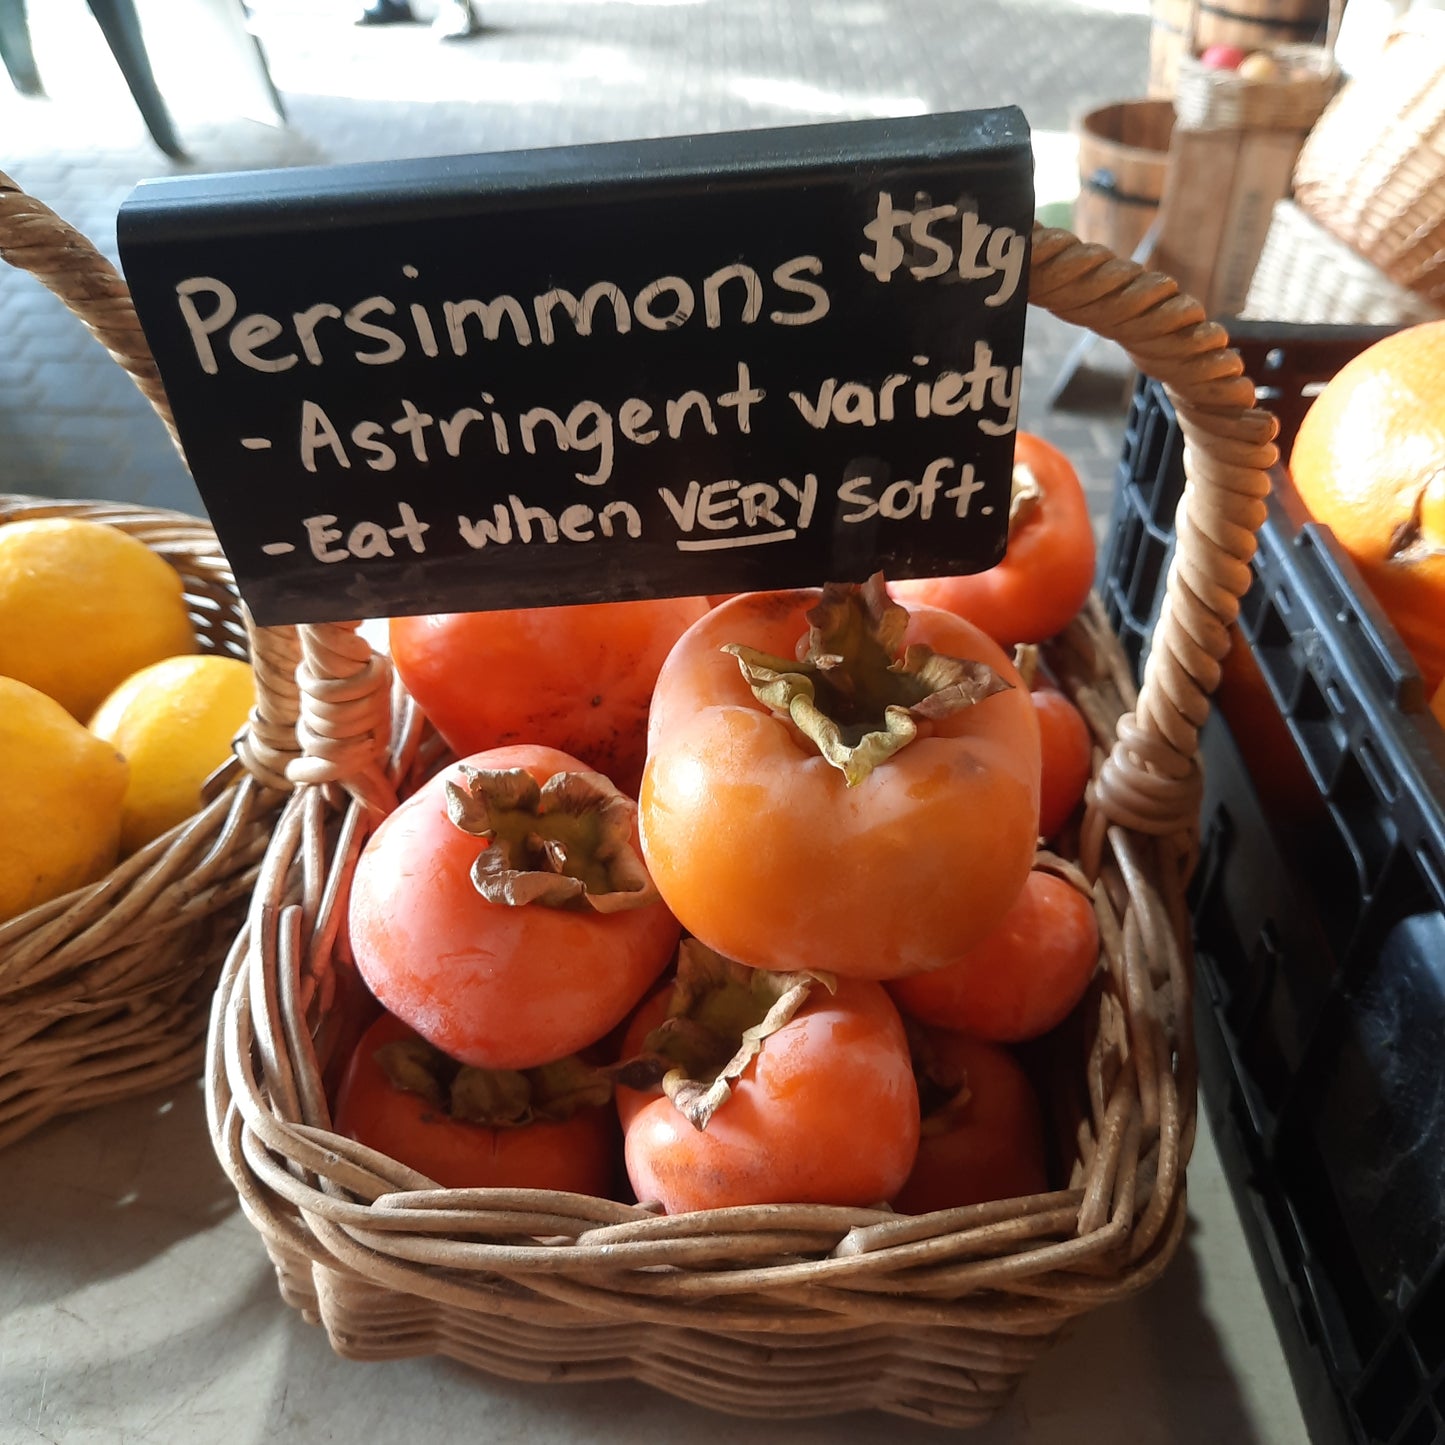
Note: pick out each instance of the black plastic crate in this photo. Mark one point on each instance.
(1319, 914)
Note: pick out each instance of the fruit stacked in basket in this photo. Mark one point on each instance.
(841, 807)
(130, 837)
(113, 717)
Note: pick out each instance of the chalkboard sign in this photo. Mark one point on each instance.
(699, 364)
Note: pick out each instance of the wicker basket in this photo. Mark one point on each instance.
(1372, 172)
(1185, 27)
(1306, 275)
(805, 1310)
(1206, 98)
(105, 992)
(1209, 99)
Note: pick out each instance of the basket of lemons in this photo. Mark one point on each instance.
(139, 775)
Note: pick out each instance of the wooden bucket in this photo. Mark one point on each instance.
(1259, 24)
(1169, 27)
(1180, 27)
(1123, 162)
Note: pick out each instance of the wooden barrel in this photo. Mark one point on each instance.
(1257, 24)
(1194, 25)
(1123, 160)
(1168, 36)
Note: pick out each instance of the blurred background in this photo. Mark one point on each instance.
(299, 82)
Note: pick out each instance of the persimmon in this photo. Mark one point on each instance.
(1368, 461)
(467, 1128)
(573, 678)
(504, 913)
(651, 1014)
(779, 1089)
(1067, 757)
(982, 1136)
(871, 809)
(1045, 576)
(1025, 977)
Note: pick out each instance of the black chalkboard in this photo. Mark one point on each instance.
(698, 364)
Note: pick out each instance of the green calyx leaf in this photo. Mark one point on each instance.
(566, 843)
(856, 692)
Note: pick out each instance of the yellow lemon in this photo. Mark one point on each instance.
(60, 800)
(83, 605)
(174, 722)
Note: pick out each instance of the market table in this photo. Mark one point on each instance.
(137, 1307)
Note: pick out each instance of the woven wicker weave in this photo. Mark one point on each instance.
(1372, 172)
(807, 1310)
(1209, 99)
(1306, 275)
(1307, 78)
(105, 993)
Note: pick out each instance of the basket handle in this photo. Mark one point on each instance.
(34, 239)
(1151, 782)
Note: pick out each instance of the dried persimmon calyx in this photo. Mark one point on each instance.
(493, 1098)
(565, 843)
(720, 1016)
(855, 691)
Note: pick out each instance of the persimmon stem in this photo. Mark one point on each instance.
(566, 843)
(856, 691)
(1025, 497)
(493, 1098)
(721, 1014)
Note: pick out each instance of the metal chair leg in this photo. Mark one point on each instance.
(121, 27)
(15, 49)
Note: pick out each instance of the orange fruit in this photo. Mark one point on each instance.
(82, 606)
(1369, 463)
(173, 722)
(60, 800)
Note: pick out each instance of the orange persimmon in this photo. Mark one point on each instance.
(405, 1099)
(573, 678)
(502, 910)
(1045, 576)
(1024, 977)
(1369, 462)
(983, 1132)
(888, 829)
(784, 1089)
(1067, 748)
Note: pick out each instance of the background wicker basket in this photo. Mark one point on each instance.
(1180, 27)
(1306, 275)
(105, 992)
(1209, 99)
(1294, 98)
(808, 1310)
(1372, 171)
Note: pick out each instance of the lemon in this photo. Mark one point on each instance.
(60, 800)
(174, 722)
(82, 606)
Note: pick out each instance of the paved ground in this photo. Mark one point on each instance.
(542, 72)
